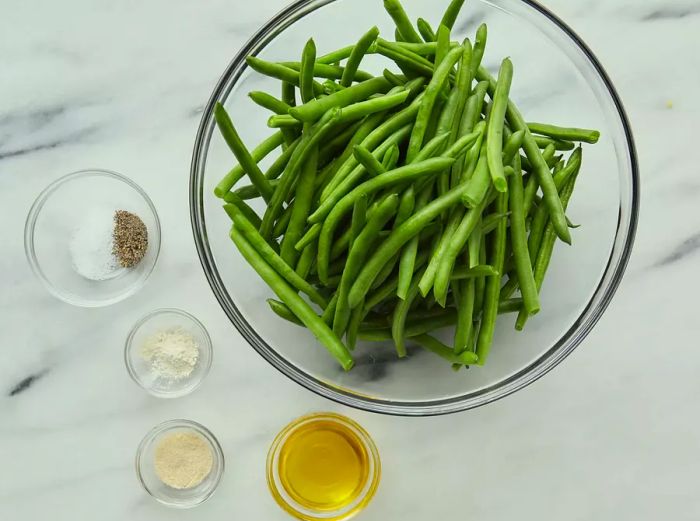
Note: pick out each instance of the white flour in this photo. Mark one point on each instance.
(91, 246)
(172, 353)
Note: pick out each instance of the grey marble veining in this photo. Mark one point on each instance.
(611, 434)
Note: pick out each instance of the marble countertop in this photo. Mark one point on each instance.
(610, 434)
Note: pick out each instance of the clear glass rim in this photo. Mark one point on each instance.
(128, 343)
(30, 251)
(180, 424)
(590, 315)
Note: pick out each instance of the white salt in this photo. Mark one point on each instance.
(92, 243)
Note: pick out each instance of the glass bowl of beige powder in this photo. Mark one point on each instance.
(168, 353)
(180, 463)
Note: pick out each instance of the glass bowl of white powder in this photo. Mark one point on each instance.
(72, 239)
(168, 353)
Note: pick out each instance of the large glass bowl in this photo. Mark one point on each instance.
(557, 79)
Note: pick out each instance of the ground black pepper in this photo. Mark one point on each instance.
(130, 238)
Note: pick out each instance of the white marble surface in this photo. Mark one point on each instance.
(611, 434)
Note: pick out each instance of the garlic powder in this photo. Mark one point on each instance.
(172, 353)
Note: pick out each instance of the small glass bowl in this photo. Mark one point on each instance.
(139, 369)
(286, 500)
(54, 217)
(172, 497)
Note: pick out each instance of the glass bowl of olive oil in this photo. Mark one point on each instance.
(323, 466)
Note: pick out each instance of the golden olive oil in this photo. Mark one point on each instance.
(323, 465)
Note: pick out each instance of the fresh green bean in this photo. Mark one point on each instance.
(306, 261)
(336, 56)
(295, 303)
(494, 131)
(281, 72)
(306, 71)
(532, 184)
(403, 24)
(330, 72)
(289, 93)
(480, 270)
(353, 328)
(281, 223)
(465, 311)
(278, 165)
(443, 44)
(275, 261)
(565, 133)
(491, 300)
(281, 310)
(269, 102)
(393, 78)
(398, 319)
(421, 49)
(247, 211)
(359, 217)
(543, 142)
(302, 206)
(379, 104)
(479, 48)
(391, 157)
(314, 109)
(451, 13)
(238, 171)
(513, 143)
(425, 30)
(358, 52)
(518, 239)
(479, 184)
(428, 278)
(404, 58)
(433, 345)
(233, 140)
(428, 101)
(366, 159)
(283, 121)
(474, 243)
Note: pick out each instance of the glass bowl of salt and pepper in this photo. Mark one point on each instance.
(92, 238)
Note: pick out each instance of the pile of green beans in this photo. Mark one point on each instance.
(405, 202)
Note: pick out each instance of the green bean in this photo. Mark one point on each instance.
(306, 261)
(463, 86)
(532, 184)
(353, 328)
(513, 143)
(480, 270)
(278, 165)
(480, 285)
(399, 175)
(404, 58)
(306, 71)
(544, 255)
(358, 52)
(479, 48)
(491, 300)
(302, 206)
(479, 184)
(456, 243)
(295, 303)
(451, 13)
(551, 196)
(512, 305)
(281, 223)
(330, 72)
(464, 168)
(398, 319)
(426, 31)
(421, 49)
(494, 131)
(314, 109)
(428, 278)
(289, 93)
(275, 261)
(336, 56)
(391, 157)
(465, 311)
(366, 159)
(269, 102)
(281, 310)
(358, 253)
(565, 133)
(236, 145)
(359, 217)
(403, 24)
(518, 239)
(379, 104)
(393, 78)
(443, 44)
(238, 171)
(544, 142)
(436, 83)
(283, 121)
(247, 211)
(474, 243)
(329, 311)
(433, 345)
(281, 72)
